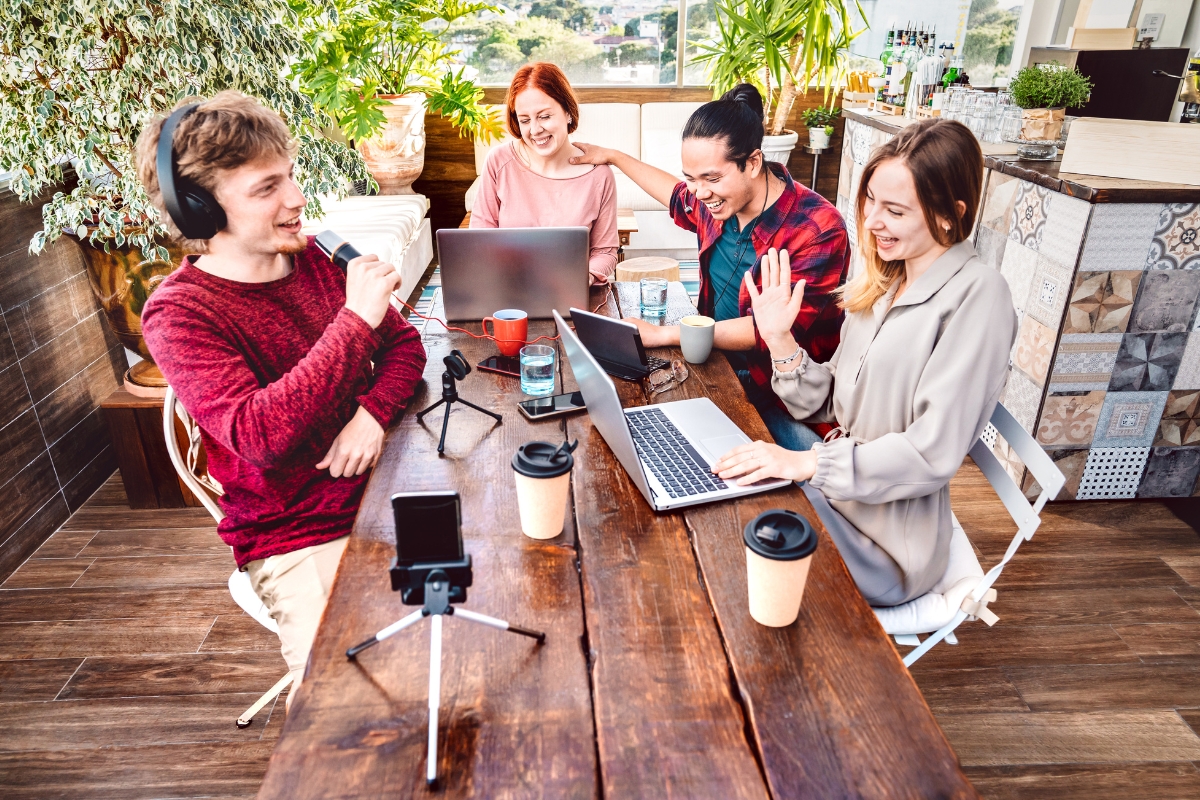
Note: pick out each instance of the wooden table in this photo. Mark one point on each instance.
(626, 224)
(136, 426)
(653, 681)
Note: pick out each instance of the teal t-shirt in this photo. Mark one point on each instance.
(732, 255)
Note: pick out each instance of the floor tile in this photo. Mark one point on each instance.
(1119, 236)
(1112, 473)
(49, 573)
(1069, 420)
(1086, 687)
(1148, 362)
(1116, 781)
(1164, 641)
(1176, 242)
(1066, 221)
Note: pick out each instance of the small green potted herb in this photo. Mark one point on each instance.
(1044, 92)
(819, 122)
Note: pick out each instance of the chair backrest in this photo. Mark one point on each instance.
(1045, 472)
(203, 486)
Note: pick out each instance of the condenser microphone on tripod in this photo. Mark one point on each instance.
(340, 251)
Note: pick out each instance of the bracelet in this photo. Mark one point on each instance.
(790, 358)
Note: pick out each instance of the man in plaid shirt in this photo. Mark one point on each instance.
(740, 207)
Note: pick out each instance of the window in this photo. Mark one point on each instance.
(621, 42)
(982, 31)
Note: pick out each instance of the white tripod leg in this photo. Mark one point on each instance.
(435, 697)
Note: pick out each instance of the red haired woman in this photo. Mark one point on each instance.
(530, 182)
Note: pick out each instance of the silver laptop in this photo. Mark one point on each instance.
(668, 449)
(533, 269)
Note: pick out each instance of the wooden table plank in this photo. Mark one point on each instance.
(827, 695)
(667, 723)
(516, 718)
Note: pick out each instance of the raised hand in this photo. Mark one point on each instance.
(778, 304)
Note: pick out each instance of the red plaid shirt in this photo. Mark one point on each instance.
(814, 235)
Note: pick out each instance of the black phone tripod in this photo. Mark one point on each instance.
(457, 368)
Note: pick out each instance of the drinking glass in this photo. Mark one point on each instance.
(537, 370)
(654, 297)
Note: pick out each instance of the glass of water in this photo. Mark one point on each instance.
(537, 370)
(654, 297)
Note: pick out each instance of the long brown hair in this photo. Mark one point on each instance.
(947, 168)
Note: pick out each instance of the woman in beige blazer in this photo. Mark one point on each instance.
(923, 357)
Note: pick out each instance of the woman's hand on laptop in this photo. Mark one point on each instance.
(369, 286)
(757, 461)
(356, 448)
(656, 335)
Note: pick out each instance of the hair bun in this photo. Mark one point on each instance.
(747, 94)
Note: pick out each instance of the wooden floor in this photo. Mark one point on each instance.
(124, 662)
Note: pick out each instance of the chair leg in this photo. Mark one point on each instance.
(246, 718)
(907, 639)
(951, 638)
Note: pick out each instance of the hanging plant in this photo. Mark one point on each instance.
(79, 80)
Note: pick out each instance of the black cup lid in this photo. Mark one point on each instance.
(780, 535)
(544, 460)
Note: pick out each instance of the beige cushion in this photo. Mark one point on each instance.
(662, 127)
(615, 125)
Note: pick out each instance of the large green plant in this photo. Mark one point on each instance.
(780, 46)
(1050, 86)
(360, 49)
(79, 80)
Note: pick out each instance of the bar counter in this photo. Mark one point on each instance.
(1105, 281)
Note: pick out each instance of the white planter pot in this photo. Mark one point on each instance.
(817, 138)
(779, 148)
(396, 155)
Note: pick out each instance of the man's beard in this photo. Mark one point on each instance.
(295, 247)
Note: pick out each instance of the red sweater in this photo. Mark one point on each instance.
(272, 372)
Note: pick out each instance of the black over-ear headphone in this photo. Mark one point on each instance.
(194, 210)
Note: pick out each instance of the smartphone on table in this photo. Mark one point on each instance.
(543, 407)
(505, 365)
(427, 527)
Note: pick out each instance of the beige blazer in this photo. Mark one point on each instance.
(912, 386)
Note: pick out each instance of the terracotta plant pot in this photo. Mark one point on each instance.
(779, 148)
(396, 155)
(122, 281)
(1042, 124)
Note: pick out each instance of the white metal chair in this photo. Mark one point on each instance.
(206, 490)
(965, 591)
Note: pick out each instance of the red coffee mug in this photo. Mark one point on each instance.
(511, 329)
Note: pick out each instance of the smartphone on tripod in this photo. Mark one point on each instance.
(428, 527)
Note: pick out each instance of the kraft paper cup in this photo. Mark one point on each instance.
(696, 338)
(779, 548)
(543, 474)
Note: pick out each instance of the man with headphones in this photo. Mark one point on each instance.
(292, 369)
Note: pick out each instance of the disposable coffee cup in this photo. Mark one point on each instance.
(543, 474)
(696, 338)
(779, 548)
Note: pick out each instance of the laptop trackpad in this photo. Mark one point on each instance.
(718, 446)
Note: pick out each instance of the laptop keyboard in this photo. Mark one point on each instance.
(653, 363)
(672, 459)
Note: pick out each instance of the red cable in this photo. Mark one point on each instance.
(485, 335)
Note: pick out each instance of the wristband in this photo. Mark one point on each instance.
(790, 358)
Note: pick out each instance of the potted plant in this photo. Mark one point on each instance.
(77, 83)
(782, 47)
(819, 122)
(1044, 92)
(375, 65)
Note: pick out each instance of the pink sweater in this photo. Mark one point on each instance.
(513, 196)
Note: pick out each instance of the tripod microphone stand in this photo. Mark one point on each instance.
(457, 368)
(438, 594)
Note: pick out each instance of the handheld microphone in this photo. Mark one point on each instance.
(340, 251)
